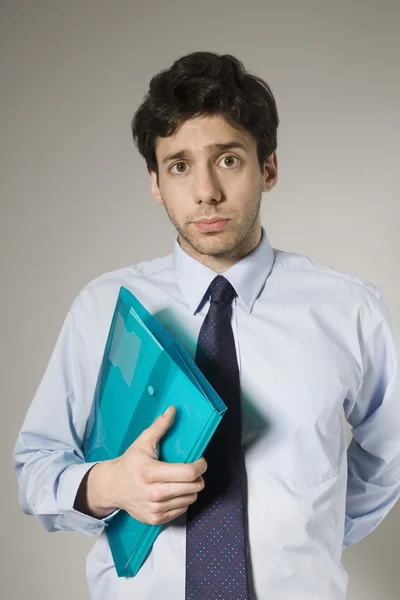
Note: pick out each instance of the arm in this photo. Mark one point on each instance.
(55, 482)
(48, 459)
(374, 452)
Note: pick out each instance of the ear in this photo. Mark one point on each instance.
(270, 175)
(155, 190)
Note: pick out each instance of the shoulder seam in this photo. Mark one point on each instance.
(110, 275)
(349, 278)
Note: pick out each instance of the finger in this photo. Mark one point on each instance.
(160, 508)
(169, 516)
(161, 492)
(163, 472)
(158, 428)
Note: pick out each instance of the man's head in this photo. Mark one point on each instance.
(208, 132)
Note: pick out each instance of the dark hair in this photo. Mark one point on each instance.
(200, 84)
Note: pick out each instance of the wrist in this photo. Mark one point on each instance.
(100, 490)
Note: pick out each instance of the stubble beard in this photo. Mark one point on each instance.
(219, 243)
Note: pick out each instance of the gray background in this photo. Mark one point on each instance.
(75, 200)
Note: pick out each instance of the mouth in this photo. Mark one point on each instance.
(216, 224)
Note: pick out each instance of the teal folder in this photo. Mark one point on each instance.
(144, 370)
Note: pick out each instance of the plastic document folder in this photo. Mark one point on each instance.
(144, 370)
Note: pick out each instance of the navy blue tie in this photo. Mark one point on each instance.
(215, 536)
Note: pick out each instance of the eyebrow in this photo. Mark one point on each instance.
(185, 154)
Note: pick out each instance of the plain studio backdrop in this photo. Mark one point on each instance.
(75, 198)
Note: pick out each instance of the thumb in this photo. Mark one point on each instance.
(149, 438)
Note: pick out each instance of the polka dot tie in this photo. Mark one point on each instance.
(215, 535)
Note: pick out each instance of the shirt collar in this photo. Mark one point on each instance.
(247, 276)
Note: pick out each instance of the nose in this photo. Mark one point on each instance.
(207, 189)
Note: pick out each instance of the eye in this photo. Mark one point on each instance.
(225, 158)
(177, 165)
(230, 158)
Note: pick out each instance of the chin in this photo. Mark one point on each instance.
(213, 244)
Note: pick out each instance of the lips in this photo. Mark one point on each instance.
(216, 224)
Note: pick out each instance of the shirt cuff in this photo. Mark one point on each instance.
(68, 486)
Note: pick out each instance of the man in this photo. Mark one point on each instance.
(286, 341)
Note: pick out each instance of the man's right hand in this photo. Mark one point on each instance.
(150, 490)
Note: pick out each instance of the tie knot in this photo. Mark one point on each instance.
(222, 292)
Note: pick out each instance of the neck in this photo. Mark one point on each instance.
(222, 263)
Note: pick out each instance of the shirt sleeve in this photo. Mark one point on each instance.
(373, 485)
(48, 457)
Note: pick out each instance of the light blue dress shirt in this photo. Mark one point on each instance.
(311, 341)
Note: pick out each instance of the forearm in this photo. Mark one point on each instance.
(372, 490)
(48, 482)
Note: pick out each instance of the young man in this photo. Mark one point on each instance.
(285, 340)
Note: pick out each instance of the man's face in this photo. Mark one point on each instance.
(201, 181)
